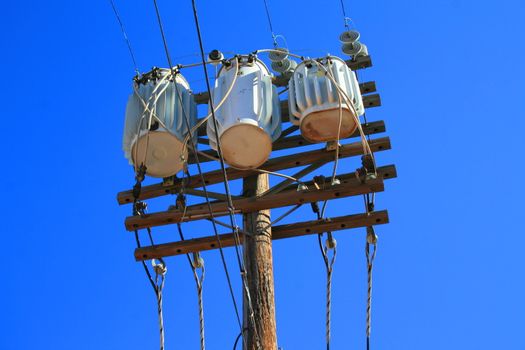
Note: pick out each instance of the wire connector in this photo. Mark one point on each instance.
(368, 171)
(320, 181)
(180, 201)
(315, 207)
(198, 261)
(371, 237)
(302, 187)
(330, 243)
(160, 268)
(332, 145)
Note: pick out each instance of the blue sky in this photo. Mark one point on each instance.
(448, 274)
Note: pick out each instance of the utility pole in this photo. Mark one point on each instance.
(259, 324)
(259, 269)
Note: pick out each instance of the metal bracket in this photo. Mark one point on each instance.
(332, 145)
(168, 181)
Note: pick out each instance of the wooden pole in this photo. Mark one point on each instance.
(259, 269)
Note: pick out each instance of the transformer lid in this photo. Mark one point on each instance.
(161, 153)
(245, 146)
(322, 126)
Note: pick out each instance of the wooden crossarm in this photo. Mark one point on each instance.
(348, 187)
(278, 232)
(275, 164)
(370, 128)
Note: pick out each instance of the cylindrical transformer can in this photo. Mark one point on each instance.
(316, 101)
(156, 126)
(249, 119)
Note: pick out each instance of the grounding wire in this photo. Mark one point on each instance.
(200, 171)
(226, 184)
(125, 36)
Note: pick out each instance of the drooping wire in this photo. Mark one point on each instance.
(125, 37)
(269, 17)
(237, 339)
(186, 119)
(225, 178)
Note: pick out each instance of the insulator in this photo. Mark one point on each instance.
(154, 136)
(350, 36)
(285, 66)
(352, 49)
(363, 52)
(276, 56)
(315, 104)
(215, 56)
(250, 118)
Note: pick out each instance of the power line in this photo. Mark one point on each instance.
(125, 36)
(216, 131)
(223, 169)
(345, 18)
(199, 167)
(270, 23)
(161, 27)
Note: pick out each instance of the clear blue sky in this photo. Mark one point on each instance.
(449, 270)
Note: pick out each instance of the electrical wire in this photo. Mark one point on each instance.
(197, 263)
(221, 250)
(345, 18)
(221, 102)
(329, 265)
(262, 171)
(125, 36)
(370, 250)
(160, 269)
(268, 16)
(225, 177)
(237, 340)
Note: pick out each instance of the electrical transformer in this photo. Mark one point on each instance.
(249, 119)
(157, 117)
(317, 91)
